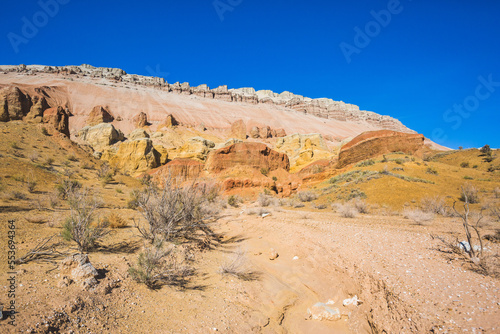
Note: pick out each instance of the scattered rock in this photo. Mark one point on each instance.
(101, 135)
(134, 156)
(170, 122)
(137, 134)
(273, 254)
(239, 130)
(321, 311)
(58, 119)
(79, 268)
(354, 301)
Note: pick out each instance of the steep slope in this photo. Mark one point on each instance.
(124, 96)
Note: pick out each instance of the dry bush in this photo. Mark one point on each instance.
(105, 173)
(236, 266)
(434, 204)
(174, 212)
(234, 201)
(296, 204)
(114, 220)
(258, 211)
(469, 194)
(495, 213)
(31, 182)
(306, 196)
(418, 216)
(347, 210)
(157, 266)
(265, 200)
(360, 205)
(34, 156)
(320, 206)
(496, 192)
(81, 226)
(17, 195)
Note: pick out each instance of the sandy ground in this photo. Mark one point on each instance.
(406, 284)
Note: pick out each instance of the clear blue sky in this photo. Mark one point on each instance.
(416, 67)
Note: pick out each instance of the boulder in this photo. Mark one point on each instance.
(195, 148)
(57, 119)
(255, 155)
(79, 269)
(180, 169)
(170, 121)
(140, 120)
(265, 132)
(254, 132)
(134, 156)
(229, 142)
(163, 152)
(101, 135)
(303, 149)
(280, 133)
(99, 114)
(137, 134)
(239, 130)
(373, 143)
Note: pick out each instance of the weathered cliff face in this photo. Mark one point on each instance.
(323, 107)
(179, 169)
(374, 143)
(254, 155)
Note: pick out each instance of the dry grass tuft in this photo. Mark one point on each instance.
(418, 216)
(116, 221)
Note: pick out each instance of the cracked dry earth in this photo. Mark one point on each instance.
(406, 281)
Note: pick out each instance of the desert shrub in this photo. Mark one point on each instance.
(495, 213)
(306, 196)
(31, 182)
(15, 146)
(475, 166)
(434, 204)
(418, 216)
(234, 201)
(297, 205)
(469, 194)
(384, 159)
(66, 186)
(72, 158)
(258, 211)
(400, 169)
(17, 195)
(360, 205)
(496, 192)
(114, 220)
(236, 266)
(49, 161)
(485, 149)
(347, 210)
(399, 161)
(34, 156)
(275, 178)
(317, 169)
(157, 266)
(133, 203)
(264, 200)
(365, 163)
(488, 157)
(105, 173)
(464, 164)
(146, 179)
(82, 226)
(466, 177)
(264, 171)
(320, 206)
(174, 212)
(45, 132)
(432, 170)
(87, 165)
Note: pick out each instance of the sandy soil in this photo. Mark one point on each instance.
(406, 284)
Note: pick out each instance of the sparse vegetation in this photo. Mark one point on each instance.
(366, 163)
(466, 177)
(432, 170)
(264, 171)
(469, 194)
(114, 220)
(236, 266)
(306, 196)
(234, 201)
(418, 216)
(174, 212)
(434, 204)
(44, 131)
(347, 210)
(157, 266)
(360, 205)
(82, 226)
(264, 200)
(31, 182)
(464, 164)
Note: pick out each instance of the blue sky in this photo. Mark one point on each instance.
(420, 62)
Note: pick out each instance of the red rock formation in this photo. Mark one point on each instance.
(98, 115)
(58, 119)
(182, 169)
(373, 143)
(255, 155)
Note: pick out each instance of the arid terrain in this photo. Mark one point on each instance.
(290, 215)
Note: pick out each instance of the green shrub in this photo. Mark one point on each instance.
(464, 164)
(264, 171)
